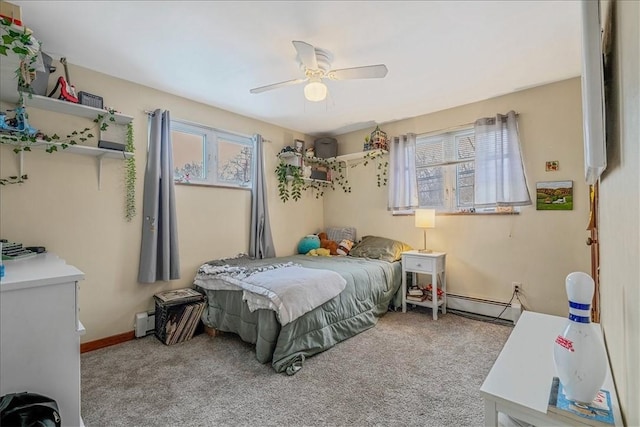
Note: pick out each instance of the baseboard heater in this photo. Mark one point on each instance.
(485, 307)
(145, 324)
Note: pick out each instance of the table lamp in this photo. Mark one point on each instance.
(425, 218)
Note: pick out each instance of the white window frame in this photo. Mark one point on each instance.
(211, 138)
(450, 165)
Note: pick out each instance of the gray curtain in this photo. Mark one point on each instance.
(159, 260)
(260, 240)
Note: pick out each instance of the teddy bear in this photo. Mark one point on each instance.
(344, 247)
(325, 243)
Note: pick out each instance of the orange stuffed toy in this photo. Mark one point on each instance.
(328, 244)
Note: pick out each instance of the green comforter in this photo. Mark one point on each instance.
(371, 287)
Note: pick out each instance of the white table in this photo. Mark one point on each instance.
(520, 380)
(432, 263)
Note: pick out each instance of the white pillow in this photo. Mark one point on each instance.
(338, 234)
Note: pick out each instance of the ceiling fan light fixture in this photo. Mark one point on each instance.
(315, 91)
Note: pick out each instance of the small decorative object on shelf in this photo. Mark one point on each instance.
(578, 352)
(378, 140)
(367, 145)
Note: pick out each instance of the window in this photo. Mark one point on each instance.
(208, 156)
(445, 169)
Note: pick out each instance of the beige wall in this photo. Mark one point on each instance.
(60, 206)
(485, 254)
(619, 221)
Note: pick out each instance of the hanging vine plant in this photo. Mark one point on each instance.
(290, 182)
(24, 46)
(130, 176)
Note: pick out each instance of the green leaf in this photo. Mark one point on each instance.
(3, 50)
(103, 127)
(17, 150)
(20, 50)
(7, 39)
(26, 148)
(75, 132)
(90, 135)
(55, 136)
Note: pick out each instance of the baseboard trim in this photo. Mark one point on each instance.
(485, 307)
(108, 341)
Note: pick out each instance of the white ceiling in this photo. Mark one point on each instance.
(440, 54)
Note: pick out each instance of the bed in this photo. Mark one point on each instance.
(371, 277)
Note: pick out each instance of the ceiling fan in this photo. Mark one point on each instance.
(316, 64)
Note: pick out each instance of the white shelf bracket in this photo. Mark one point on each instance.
(100, 171)
(21, 164)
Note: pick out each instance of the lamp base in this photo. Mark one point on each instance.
(425, 251)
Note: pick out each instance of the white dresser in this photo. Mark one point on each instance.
(40, 332)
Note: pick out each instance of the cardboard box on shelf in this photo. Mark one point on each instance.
(11, 11)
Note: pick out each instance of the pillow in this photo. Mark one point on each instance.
(338, 234)
(379, 248)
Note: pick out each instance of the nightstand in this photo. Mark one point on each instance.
(426, 263)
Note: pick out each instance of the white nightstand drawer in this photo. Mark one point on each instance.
(419, 263)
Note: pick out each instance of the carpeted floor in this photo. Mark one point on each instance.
(408, 370)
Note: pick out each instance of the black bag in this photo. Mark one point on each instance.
(28, 410)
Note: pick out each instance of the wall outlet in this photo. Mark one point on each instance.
(516, 287)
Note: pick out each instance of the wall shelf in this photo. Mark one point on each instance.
(84, 150)
(64, 107)
(297, 159)
(9, 93)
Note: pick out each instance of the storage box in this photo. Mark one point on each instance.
(326, 147)
(178, 314)
(11, 11)
(40, 84)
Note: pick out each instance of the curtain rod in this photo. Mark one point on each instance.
(186, 122)
(452, 128)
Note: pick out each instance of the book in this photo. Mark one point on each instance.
(415, 292)
(416, 298)
(597, 413)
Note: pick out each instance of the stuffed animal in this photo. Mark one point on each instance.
(344, 247)
(325, 243)
(308, 243)
(319, 252)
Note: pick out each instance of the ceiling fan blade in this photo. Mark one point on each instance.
(366, 72)
(277, 85)
(307, 54)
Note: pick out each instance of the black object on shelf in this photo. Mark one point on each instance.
(109, 145)
(90, 99)
(36, 249)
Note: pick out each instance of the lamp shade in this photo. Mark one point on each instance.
(315, 91)
(425, 218)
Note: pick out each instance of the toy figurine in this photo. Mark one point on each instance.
(18, 123)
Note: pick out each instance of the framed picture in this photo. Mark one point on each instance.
(298, 144)
(552, 166)
(554, 196)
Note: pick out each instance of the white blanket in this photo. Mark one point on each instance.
(290, 291)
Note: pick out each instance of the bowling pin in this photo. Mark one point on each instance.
(578, 352)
